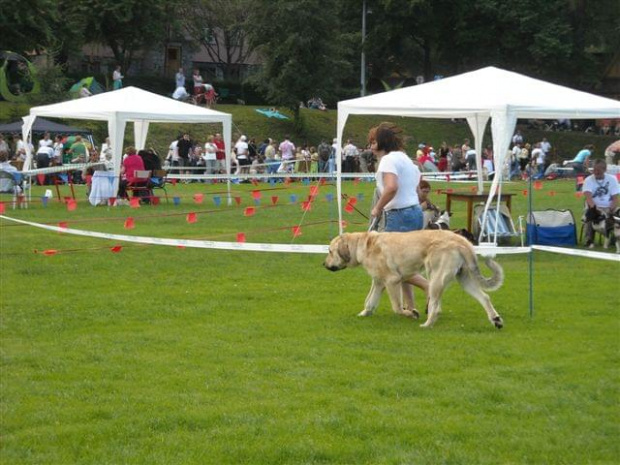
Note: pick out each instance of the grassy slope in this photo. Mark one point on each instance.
(322, 125)
(166, 355)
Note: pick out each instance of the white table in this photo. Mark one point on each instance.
(102, 187)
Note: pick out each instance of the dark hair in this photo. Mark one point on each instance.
(387, 136)
(424, 184)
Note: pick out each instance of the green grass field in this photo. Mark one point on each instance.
(166, 355)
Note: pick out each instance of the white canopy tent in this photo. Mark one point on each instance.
(134, 105)
(488, 93)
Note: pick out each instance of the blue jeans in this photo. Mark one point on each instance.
(404, 219)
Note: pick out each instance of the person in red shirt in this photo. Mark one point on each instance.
(132, 163)
(220, 154)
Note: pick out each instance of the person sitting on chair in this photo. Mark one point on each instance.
(601, 191)
(132, 163)
(430, 211)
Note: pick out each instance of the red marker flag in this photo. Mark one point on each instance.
(240, 237)
(130, 223)
(322, 182)
(538, 185)
(552, 193)
(524, 192)
(349, 208)
(41, 179)
(198, 198)
(256, 195)
(63, 225)
(116, 249)
(297, 231)
(2, 208)
(174, 181)
(274, 199)
(134, 202)
(71, 205)
(192, 218)
(249, 211)
(238, 200)
(352, 201)
(306, 206)
(50, 252)
(314, 190)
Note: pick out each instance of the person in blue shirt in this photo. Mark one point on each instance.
(581, 161)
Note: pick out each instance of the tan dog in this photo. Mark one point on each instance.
(392, 258)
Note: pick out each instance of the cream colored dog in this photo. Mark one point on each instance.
(393, 258)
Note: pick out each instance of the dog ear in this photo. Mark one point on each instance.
(343, 250)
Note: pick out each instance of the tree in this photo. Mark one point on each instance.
(298, 43)
(27, 25)
(128, 26)
(220, 26)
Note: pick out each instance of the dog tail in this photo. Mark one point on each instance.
(488, 284)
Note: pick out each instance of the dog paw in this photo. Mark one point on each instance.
(498, 322)
(411, 313)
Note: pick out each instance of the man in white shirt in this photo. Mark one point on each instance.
(287, 150)
(242, 152)
(601, 191)
(46, 141)
(349, 154)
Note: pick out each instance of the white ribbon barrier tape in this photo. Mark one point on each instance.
(579, 253)
(255, 247)
(63, 168)
(484, 250)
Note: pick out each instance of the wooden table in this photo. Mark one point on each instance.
(470, 198)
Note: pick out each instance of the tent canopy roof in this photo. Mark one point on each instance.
(131, 104)
(483, 92)
(42, 125)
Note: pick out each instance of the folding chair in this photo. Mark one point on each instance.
(505, 226)
(159, 180)
(140, 184)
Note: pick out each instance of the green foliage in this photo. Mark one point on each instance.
(128, 26)
(159, 355)
(221, 27)
(54, 85)
(301, 58)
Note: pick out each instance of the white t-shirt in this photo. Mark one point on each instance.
(545, 146)
(539, 156)
(242, 150)
(210, 151)
(408, 175)
(46, 143)
(180, 93)
(601, 189)
(173, 150)
(46, 150)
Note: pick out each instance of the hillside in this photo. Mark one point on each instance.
(322, 125)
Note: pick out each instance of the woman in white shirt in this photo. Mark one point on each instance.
(397, 185)
(209, 156)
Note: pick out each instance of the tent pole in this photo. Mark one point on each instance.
(531, 252)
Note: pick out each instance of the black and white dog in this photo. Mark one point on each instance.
(443, 222)
(608, 225)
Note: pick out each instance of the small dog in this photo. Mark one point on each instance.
(443, 222)
(603, 224)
